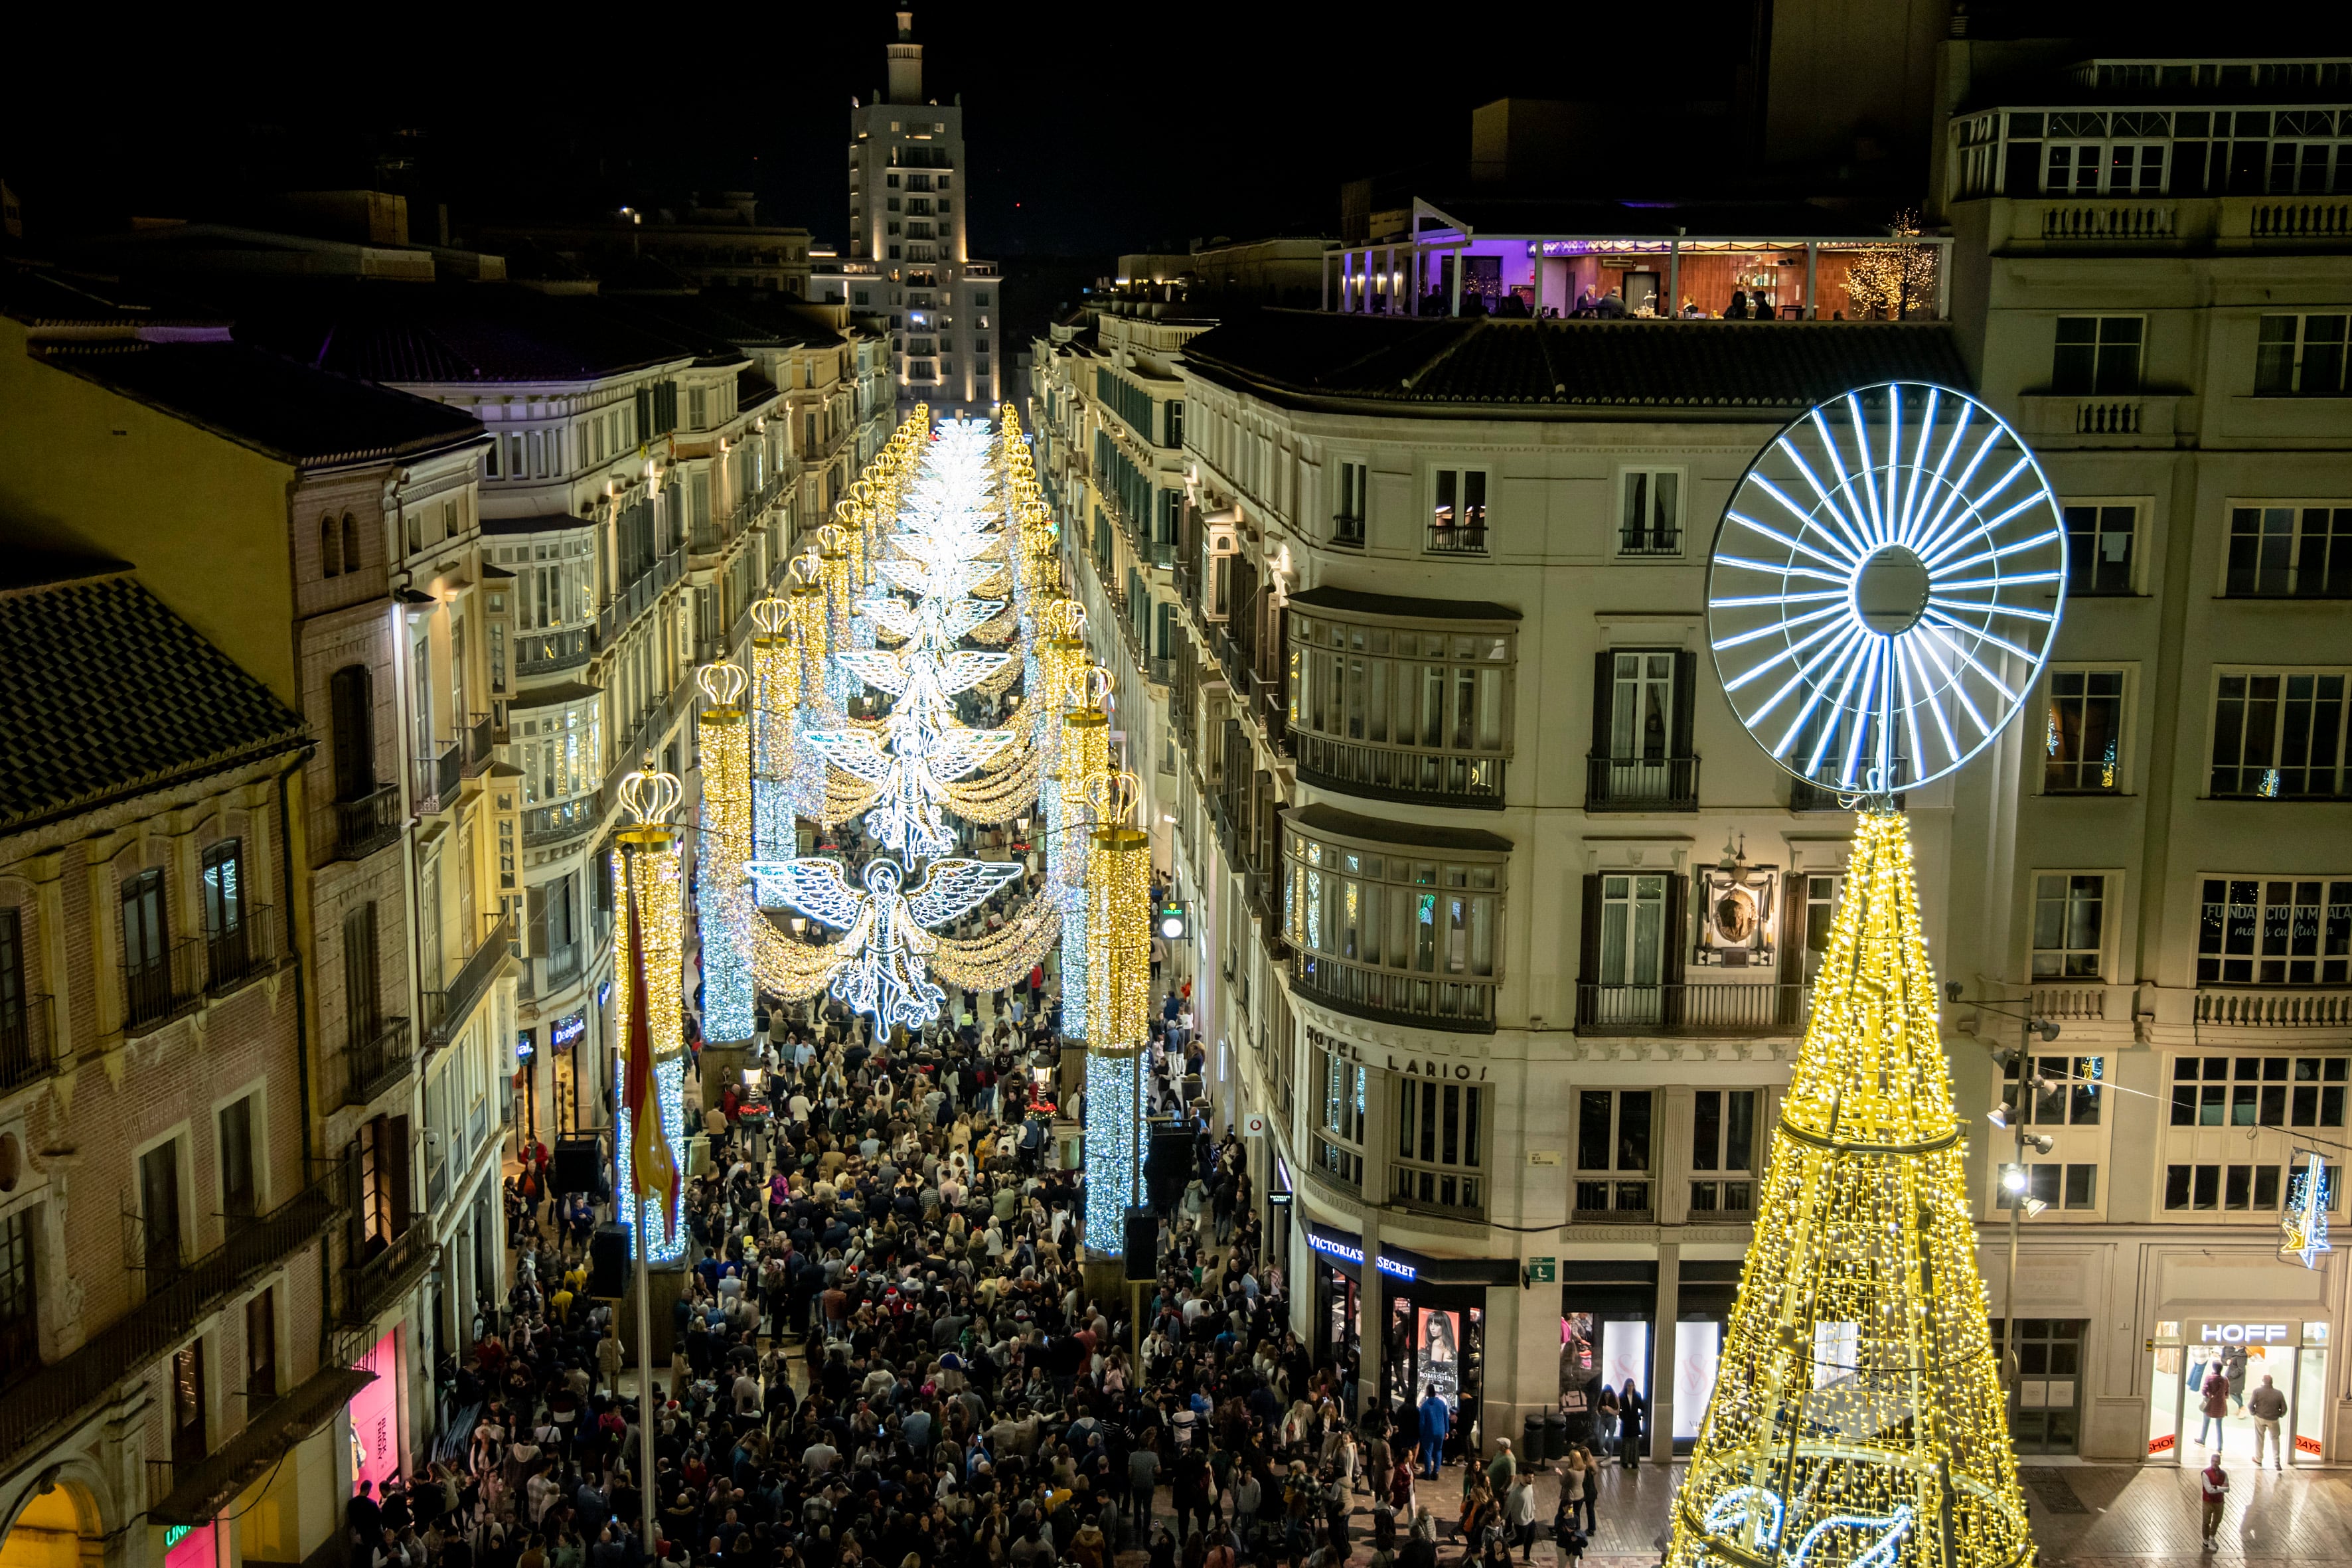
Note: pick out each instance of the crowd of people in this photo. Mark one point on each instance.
(884, 1352)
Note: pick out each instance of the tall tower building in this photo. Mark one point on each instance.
(909, 196)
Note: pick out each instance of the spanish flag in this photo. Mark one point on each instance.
(652, 1168)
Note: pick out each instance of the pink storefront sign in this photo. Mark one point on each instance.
(375, 1419)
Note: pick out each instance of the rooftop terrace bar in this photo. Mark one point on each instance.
(1650, 261)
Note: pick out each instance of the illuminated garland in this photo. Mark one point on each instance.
(649, 865)
(1858, 1393)
(722, 848)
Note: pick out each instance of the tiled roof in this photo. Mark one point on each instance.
(1500, 367)
(42, 296)
(290, 411)
(429, 333)
(110, 694)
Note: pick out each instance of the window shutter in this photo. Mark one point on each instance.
(1790, 932)
(1588, 963)
(1685, 692)
(1604, 685)
(1678, 945)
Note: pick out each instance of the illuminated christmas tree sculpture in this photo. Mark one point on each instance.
(1858, 1419)
(1882, 595)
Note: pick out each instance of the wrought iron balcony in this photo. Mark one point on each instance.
(246, 951)
(437, 778)
(479, 740)
(1640, 783)
(1706, 1007)
(367, 822)
(1459, 1003)
(67, 1391)
(377, 1053)
(27, 1045)
(1394, 772)
(445, 1010)
(387, 1271)
(158, 989)
(547, 653)
(1458, 539)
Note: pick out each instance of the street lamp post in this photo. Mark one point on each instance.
(2016, 1185)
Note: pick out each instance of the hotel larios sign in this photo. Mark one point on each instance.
(1409, 1066)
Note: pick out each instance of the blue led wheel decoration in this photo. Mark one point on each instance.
(1884, 587)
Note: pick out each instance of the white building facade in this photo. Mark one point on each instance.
(909, 195)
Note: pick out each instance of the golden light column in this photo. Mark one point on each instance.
(1858, 1419)
(1118, 1007)
(1084, 758)
(650, 866)
(805, 599)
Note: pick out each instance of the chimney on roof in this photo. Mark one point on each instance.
(906, 63)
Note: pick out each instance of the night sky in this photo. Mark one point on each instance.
(1090, 130)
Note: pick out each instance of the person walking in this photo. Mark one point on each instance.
(1631, 1410)
(2214, 1482)
(1435, 1418)
(2214, 1406)
(1519, 1514)
(2266, 1405)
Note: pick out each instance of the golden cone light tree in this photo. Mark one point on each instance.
(1858, 1419)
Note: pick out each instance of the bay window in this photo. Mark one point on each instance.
(1397, 711)
(1404, 930)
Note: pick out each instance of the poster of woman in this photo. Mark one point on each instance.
(1439, 1343)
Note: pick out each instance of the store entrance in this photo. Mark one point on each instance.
(1437, 1344)
(2207, 1383)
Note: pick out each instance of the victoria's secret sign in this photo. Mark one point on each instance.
(1413, 1067)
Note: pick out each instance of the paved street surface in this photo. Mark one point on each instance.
(2084, 1516)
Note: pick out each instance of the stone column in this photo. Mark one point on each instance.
(1662, 1351)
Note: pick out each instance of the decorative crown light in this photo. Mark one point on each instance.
(649, 797)
(722, 683)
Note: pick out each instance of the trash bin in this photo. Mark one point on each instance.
(1556, 1436)
(1531, 1441)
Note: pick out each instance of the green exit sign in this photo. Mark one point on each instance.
(1542, 1270)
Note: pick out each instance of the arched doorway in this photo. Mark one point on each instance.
(56, 1529)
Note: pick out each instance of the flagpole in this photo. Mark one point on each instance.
(641, 996)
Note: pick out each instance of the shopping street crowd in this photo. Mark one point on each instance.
(889, 1217)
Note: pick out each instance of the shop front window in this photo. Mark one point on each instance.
(2210, 1381)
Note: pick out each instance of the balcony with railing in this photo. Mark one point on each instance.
(377, 1054)
(2282, 1008)
(1457, 1003)
(1704, 1007)
(244, 952)
(550, 653)
(438, 777)
(63, 1394)
(1649, 541)
(1395, 773)
(1640, 783)
(1347, 533)
(27, 1041)
(445, 1010)
(367, 822)
(478, 739)
(384, 1273)
(167, 985)
(553, 824)
(1456, 539)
